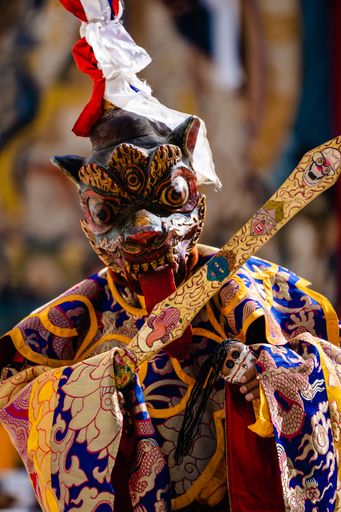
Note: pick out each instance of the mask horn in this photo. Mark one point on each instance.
(191, 135)
(69, 165)
(186, 134)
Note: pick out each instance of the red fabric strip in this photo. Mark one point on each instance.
(75, 7)
(156, 286)
(252, 465)
(87, 63)
(121, 473)
(115, 6)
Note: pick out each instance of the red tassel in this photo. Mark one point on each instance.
(87, 63)
(115, 6)
(76, 8)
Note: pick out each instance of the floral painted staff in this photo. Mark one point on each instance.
(107, 53)
(318, 170)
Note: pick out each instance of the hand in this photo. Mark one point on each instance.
(250, 387)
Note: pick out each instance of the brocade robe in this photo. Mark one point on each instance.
(88, 447)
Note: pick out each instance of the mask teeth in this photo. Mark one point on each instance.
(127, 266)
(135, 268)
(172, 258)
(154, 265)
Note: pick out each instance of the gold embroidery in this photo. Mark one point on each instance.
(121, 301)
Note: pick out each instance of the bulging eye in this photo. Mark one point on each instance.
(134, 179)
(176, 193)
(100, 211)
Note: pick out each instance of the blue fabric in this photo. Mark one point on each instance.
(307, 458)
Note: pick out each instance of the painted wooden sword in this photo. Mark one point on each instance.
(318, 170)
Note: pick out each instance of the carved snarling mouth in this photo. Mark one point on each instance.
(138, 251)
(168, 251)
(146, 248)
(173, 256)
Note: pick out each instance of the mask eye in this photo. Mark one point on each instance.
(176, 193)
(134, 179)
(235, 354)
(100, 211)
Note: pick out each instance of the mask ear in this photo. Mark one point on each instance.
(186, 134)
(70, 165)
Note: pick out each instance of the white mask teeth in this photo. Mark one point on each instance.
(127, 266)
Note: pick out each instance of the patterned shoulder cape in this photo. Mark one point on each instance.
(61, 409)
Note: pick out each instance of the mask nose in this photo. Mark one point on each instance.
(144, 237)
(143, 229)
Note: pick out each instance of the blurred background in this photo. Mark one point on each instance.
(264, 75)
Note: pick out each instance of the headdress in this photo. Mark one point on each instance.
(108, 54)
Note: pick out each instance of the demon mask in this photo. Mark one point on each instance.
(139, 195)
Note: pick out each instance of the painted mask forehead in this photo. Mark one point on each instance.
(117, 126)
(148, 139)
